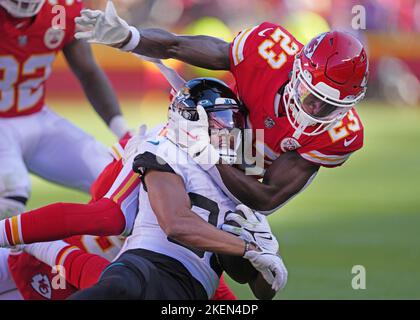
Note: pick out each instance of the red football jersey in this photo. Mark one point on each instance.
(34, 278)
(27, 54)
(261, 61)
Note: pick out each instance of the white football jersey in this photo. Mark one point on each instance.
(208, 201)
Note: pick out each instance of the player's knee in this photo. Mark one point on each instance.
(12, 206)
(121, 283)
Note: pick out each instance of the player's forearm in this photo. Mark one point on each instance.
(202, 51)
(192, 231)
(249, 191)
(100, 94)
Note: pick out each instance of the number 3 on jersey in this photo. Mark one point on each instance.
(17, 87)
(276, 61)
(341, 131)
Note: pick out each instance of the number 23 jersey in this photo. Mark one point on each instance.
(261, 62)
(27, 54)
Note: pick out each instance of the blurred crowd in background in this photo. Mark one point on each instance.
(391, 36)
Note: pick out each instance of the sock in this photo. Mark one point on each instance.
(82, 269)
(10, 232)
(63, 220)
(223, 292)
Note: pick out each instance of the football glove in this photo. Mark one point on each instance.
(253, 228)
(193, 137)
(270, 266)
(105, 27)
(133, 144)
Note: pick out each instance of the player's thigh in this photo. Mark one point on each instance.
(67, 155)
(14, 178)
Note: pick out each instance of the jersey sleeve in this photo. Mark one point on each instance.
(261, 59)
(240, 48)
(158, 153)
(335, 154)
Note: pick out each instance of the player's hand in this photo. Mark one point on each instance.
(102, 27)
(253, 227)
(193, 137)
(134, 143)
(270, 266)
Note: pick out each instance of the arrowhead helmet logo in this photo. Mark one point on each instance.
(41, 284)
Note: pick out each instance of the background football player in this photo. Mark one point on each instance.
(302, 97)
(33, 138)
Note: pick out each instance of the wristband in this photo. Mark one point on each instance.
(118, 126)
(134, 41)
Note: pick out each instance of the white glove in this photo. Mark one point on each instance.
(105, 27)
(254, 228)
(133, 144)
(270, 266)
(193, 137)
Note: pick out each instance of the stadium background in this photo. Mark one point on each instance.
(365, 213)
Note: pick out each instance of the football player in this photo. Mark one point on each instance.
(171, 251)
(301, 98)
(222, 107)
(33, 138)
(110, 212)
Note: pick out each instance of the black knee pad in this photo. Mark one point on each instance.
(121, 282)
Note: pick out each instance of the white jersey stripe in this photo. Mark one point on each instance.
(239, 44)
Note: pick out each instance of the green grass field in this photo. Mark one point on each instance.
(364, 213)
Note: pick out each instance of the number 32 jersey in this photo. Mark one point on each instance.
(261, 62)
(27, 54)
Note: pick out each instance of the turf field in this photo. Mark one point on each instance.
(365, 213)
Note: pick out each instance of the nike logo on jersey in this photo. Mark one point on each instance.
(262, 33)
(347, 143)
(194, 137)
(156, 143)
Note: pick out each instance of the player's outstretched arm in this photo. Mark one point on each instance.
(286, 176)
(109, 29)
(96, 85)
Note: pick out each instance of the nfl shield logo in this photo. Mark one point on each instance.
(22, 41)
(269, 123)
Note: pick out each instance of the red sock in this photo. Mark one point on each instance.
(63, 220)
(82, 269)
(223, 292)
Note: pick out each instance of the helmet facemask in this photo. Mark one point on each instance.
(225, 118)
(226, 123)
(312, 110)
(22, 8)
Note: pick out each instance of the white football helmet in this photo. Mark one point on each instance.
(22, 8)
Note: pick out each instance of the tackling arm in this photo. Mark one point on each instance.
(286, 176)
(95, 84)
(109, 29)
(201, 51)
(171, 204)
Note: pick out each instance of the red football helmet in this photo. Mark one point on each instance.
(22, 8)
(329, 77)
